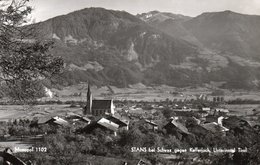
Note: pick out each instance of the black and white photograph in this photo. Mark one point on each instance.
(129, 82)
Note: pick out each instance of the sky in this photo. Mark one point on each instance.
(45, 9)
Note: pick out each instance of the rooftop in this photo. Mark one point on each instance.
(108, 124)
(179, 126)
(214, 127)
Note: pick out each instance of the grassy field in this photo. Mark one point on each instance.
(138, 92)
(243, 109)
(8, 112)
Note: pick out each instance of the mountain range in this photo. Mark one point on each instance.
(107, 47)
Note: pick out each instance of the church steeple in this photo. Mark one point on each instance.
(89, 93)
(88, 108)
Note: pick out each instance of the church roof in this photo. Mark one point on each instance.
(101, 104)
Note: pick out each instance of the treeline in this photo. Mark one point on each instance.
(243, 101)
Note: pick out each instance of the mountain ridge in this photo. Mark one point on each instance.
(107, 47)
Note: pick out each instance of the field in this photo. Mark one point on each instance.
(138, 92)
(244, 109)
(8, 112)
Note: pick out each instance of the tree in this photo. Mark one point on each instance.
(24, 58)
(168, 113)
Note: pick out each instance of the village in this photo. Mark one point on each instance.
(192, 127)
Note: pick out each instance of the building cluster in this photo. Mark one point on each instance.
(185, 121)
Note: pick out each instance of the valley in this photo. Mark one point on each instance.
(128, 83)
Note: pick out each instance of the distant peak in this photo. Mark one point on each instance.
(228, 11)
(154, 12)
(160, 16)
(91, 9)
(225, 12)
(150, 12)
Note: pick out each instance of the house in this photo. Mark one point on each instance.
(98, 107)
(59, 121)
(255, 125)
(220, 111)
(177, 129)
(198, 121)
(71, 115)
(75, 118)
(103, 124)
(185, 113)
(52, 121)
(85, 119)
(234, 121)
(43, 120)
(151, 125)
(216, 119)
(202, 114)
(237, 124)
(207, 109)
(198, 130)
(215, 128)
(123, 124)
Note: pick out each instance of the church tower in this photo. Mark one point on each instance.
(88, 108)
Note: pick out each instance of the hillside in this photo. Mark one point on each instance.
(114, 47)
(231, 33)
(229, 42)
(106, 47)
(169, 23)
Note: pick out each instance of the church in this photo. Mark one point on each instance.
(98, 107)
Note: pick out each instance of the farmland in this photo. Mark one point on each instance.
(137, 92)
(141, 92)
(8, 112)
